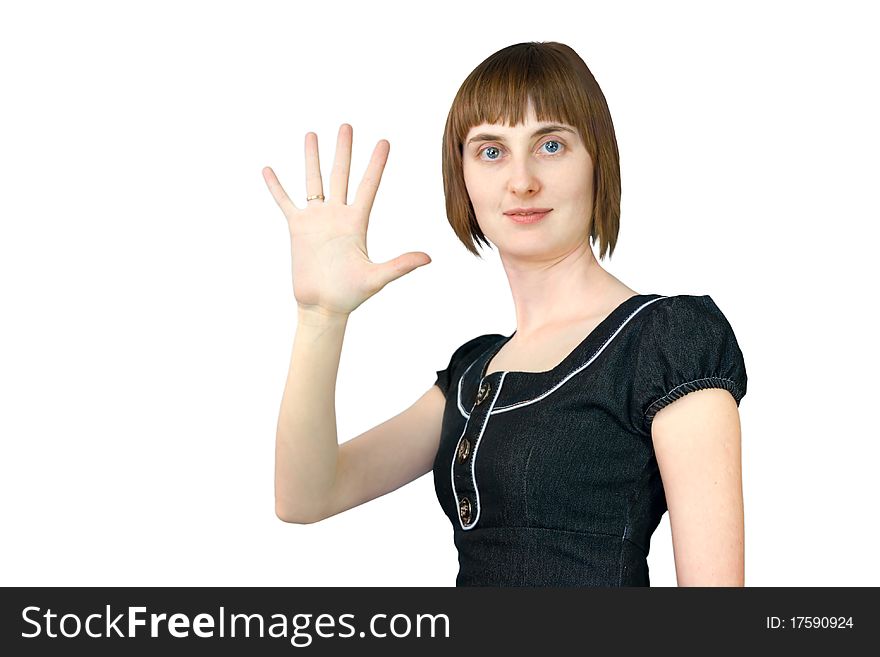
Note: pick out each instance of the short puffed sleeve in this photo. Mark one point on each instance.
(461, 358)
(686, 345)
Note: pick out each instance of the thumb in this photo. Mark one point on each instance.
(401, 265)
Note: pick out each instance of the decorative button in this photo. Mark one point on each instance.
(484, 391)
(464, 448)
(464, 510)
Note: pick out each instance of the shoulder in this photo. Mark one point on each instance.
(480, 340)
(686, 343)
(463, 356)
(687, 308)
(686, 322)
(474, 347)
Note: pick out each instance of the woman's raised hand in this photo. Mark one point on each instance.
(332, 272)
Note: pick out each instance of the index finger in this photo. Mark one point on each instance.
(366, 192)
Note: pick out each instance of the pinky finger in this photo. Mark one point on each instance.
(278, 192)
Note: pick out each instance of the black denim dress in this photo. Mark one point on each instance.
(550, 478)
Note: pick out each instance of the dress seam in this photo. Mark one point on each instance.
(551, 529)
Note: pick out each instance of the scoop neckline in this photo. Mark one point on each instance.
(576, 356)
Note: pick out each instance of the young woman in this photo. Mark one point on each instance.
(550, 452)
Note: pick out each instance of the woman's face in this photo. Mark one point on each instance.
(512, 167)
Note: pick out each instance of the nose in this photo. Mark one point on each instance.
(523, 178)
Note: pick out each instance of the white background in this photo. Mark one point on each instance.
(148, 312)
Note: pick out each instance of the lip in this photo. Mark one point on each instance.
(531, 218)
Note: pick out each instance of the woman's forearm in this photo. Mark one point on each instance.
(306, 443)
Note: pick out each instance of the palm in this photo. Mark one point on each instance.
(331, 267)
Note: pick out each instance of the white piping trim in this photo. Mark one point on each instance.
(461, 407)
(503, 409)
(510, 407)
(473, 459)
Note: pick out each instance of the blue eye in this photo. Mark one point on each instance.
(495, 148)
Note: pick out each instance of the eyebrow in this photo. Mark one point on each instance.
(485, 136)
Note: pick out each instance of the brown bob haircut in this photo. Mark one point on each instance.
(562, 89)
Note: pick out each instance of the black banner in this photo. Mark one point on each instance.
(99, 621)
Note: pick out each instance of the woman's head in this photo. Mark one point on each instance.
(493, 160)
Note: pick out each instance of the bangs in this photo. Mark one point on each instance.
(500, 90)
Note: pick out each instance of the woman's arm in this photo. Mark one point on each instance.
(315, 476)
(697, 441)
